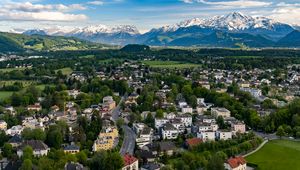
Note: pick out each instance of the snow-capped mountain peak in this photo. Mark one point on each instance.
(235, 21)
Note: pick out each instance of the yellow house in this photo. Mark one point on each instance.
(3, 125)
(106, 139)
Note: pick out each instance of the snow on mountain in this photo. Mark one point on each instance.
(88, 31)
(235, 21)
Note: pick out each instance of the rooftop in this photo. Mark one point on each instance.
(237, 161)
(129, 159)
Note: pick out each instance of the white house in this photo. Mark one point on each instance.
(15, 130)
(224, 135)
(39, 148)
(169, 132)
(160, 122)
(186, 119)
(187, 109)
(207, 135)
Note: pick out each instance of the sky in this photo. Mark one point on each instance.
(144, 14)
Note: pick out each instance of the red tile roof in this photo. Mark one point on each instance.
(235, 162)
(129, 159)
(193, 141)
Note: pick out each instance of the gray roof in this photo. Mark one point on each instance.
(35, 145)
(166, 146)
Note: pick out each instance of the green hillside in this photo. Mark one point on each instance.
(10, 42)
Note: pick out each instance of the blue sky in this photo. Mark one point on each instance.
(145, 14)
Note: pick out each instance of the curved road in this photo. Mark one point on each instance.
(129, 135)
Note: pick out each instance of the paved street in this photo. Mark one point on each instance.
(129, 141)
(129, 136)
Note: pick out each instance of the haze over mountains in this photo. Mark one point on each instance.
(231, 30)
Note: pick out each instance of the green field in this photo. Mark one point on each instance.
(169, 64)
(65, 71)
(12, 69)
(87, 56)
(277, 155)
(5, 94)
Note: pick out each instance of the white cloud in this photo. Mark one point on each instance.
(237, 3)
(41, 16)
(95, 2)
(31, 12)
(287, 14)
(187, 1)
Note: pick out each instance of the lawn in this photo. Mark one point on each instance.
(277, 155)
(65, 71)
(169, 64)
(5, 94)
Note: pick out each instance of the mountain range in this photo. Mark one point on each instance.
(231, 30)
(11, 42)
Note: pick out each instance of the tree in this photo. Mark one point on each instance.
(7, 150)
(27, 153)
(159, 113)
(26, 165)
(280, 131)
(106, 160)
(220, 122)
(54, 137)
(34, 134)
(215, 163)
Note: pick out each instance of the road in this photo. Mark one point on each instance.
(115, 113)
(129, 135)
(129, 141)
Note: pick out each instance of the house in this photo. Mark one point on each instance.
(186, 119)
(106, 139)
(144, 137)
(217, 111)
(109, 103)
(39, 148)
(131, 163)
(207, 135)
(73, 93)
(15, 141)
(36, 107)
(15, 130)
(187, 109)
(190, 143)
(224, 135)
(238, 127)
(166, 147)
(146, 156)
(237, 163)
(3, 125)
(160, 122)
(182, 104)
(71, 149)
(169, 132)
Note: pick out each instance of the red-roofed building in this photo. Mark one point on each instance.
(237, 163)
(193, 142)
(131, 163)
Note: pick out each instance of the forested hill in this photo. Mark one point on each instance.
(10, 42)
